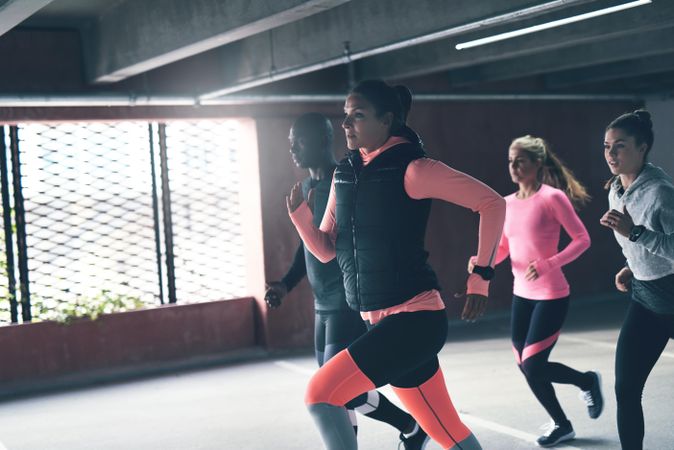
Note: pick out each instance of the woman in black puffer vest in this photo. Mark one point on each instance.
(375, 224)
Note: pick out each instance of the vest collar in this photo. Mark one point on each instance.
(390, 142)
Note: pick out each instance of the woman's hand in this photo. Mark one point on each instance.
(476, 304)
(620, 222)
(474, 308)
(623, 279)
(531, 274)
(274, 294)
(471, 263)
(294, 200)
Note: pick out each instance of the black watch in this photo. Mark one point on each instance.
(486, 272)
(636, 232)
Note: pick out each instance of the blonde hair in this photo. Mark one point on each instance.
(553, 171)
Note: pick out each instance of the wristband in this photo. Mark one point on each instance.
(486, 272)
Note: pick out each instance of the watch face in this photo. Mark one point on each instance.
(636, 232)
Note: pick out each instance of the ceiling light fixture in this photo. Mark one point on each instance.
(548, 25)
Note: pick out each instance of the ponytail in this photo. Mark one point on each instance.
(556, 174)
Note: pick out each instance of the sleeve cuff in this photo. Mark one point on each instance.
(646, 239)
(300, 214)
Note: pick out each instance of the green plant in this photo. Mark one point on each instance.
(105, 302)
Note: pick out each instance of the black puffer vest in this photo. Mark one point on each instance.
(381, 230)
(325, 279)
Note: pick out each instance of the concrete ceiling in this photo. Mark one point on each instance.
(67, 9)
(212, 48)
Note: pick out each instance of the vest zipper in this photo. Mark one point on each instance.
(353, 231)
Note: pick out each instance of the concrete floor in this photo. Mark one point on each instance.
(258, 405)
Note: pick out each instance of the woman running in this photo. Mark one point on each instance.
(374, 225)
(641, 215)
(335, 325)
(542, 205)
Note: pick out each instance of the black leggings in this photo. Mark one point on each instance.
(402, 349)
(643, 337)
(333, 332)
(535, 327)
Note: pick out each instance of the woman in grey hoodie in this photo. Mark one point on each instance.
(641, 215)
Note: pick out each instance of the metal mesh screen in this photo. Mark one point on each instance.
(116, 213)
(204, 175)
(4, 282)
(89, 223)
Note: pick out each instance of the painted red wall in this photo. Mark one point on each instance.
(45, 350)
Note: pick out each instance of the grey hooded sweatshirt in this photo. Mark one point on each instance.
(650, 202)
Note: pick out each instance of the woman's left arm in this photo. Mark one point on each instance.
(561, 208)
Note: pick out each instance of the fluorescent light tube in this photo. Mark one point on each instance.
(553, 24)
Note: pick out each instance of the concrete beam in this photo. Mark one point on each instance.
(584, 55)
(586, 35)
(13, 12)
(625, 68)
(39, 59)
(134, 37)
(370, 27)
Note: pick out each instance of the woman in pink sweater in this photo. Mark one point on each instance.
(534, 215)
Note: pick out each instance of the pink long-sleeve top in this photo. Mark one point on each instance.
(424, 178)
(531, 234)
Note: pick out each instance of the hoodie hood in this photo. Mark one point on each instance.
(649, 175)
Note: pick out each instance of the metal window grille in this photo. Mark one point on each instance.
(88, 203)
(203, 169)
(123, 211)
(7, 280)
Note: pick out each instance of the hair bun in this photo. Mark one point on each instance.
(645, 116)
(405, 96)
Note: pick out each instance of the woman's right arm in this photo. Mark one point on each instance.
(319, 241)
